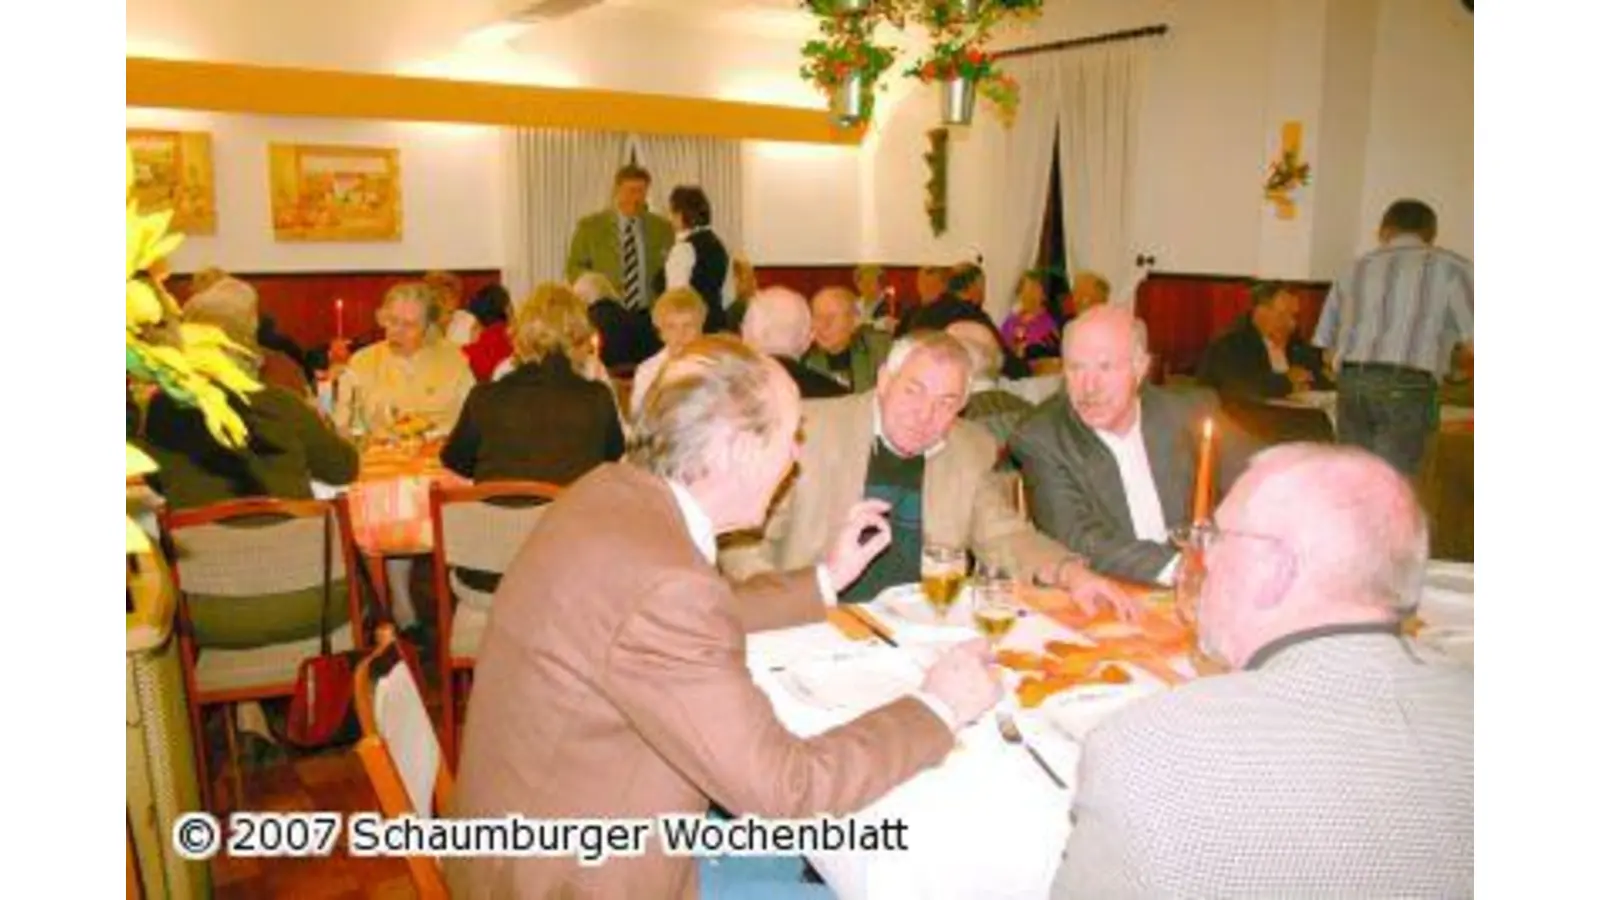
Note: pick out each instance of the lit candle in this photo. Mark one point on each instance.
(338, 319)
(1202, 474)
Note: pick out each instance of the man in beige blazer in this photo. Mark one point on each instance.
(1336, 761)
(911, 418)
(612, 681)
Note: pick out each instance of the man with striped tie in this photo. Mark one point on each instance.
(628, 244)
(1392, 321)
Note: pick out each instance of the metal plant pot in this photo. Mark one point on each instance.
(853, 7)
(967, 10)
(849, 102)
(960, 99)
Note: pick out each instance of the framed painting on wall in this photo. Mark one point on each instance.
(172, 170)
(334, 193)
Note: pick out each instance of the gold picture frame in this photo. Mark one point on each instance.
(172, 170)
(324, 192)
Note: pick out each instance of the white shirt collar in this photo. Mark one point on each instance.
(877, 432)
(701, 531)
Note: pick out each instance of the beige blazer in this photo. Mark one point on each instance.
(612, 684)
(965, 502)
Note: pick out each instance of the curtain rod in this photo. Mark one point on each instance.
(1110, 37)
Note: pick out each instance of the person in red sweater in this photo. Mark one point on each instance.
(492, 345)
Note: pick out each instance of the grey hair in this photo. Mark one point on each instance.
(937, 344)
(984, 350)
(232, 306)
(778, 322)
(411, 292)
(1375, 505)
(715, 389)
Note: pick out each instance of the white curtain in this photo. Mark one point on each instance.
(553, 179)
(1022, 171)
(716, 165)
(1100, 94)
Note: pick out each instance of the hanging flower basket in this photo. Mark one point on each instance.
(851, 102)
(960, 100)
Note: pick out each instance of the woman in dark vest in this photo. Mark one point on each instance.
(698, 260)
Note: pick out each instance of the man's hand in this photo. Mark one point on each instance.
(1300, 378)
(854, 549)
(1091, 592)
(964, 681)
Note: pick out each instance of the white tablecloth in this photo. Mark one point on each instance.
(987, 822)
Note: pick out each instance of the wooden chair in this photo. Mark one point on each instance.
(245, 557)
(400, 752)
(479, 527)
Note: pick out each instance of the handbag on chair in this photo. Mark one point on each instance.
(322, 710)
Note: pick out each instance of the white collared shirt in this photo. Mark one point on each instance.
(1139, 488)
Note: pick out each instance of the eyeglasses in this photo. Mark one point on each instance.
(1203, 536)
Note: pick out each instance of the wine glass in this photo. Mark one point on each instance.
(944, 569)
(995, 609)
(1192, 541)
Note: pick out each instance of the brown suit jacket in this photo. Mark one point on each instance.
(612, 684)
(965, 502)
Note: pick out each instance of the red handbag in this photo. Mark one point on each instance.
(322, 710)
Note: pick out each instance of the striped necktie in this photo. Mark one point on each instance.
(632, 265)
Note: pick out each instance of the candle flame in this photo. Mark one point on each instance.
(1205, 429)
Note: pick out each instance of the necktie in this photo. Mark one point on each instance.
(632, 265)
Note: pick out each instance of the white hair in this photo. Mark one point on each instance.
(592, 287)
(778, 322)
(941, 346)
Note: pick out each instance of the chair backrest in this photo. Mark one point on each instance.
(476, 528)
(258, 546)
(400, 750)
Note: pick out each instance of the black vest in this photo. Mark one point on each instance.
(709, 274)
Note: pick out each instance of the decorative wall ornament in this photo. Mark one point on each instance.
(335, 193)
(1288, 173)
(937, 187)
(172, 170)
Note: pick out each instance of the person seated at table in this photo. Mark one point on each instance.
(612, 680)
(288, 447)
(456, 324)
(1110, 466)
(413, 372)
(232, 305)
(577, 423)
(744, 289)
(778, 323)
(844, 349)
(988, 404)
(905, 443)
(622, 343)
(1334, 758)
(491, 345)
(679, 315)
(1089, 290)
(1030, 332)
(962, 301)
(1262, 356)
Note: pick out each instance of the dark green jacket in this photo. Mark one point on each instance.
(869, 347)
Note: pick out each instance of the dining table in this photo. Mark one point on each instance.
(994, 817)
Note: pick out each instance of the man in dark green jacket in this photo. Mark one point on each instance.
(843, 348)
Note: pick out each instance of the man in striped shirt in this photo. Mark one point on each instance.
(1392, 321)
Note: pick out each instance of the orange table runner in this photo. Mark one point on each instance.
(389, 501)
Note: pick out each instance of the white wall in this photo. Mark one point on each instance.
(802, 204)
(1420, 143)
(449, 194)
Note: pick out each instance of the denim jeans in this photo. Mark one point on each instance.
(1391, 412)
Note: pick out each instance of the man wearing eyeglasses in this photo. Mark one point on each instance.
(905, 444)
(1334, 760)
(1110, 466)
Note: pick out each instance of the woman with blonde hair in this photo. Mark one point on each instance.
(680, 317)
(544, 420)
(744, 288)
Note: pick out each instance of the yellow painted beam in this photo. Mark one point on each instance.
(273, 91)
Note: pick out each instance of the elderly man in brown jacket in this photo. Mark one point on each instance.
(612, 682)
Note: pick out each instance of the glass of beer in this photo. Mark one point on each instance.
(944, 569)
(994, 603)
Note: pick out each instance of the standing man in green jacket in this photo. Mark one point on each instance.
(627, 243)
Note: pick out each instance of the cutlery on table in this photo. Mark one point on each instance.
(1011, 734)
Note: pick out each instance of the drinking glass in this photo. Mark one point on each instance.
(994, 606)
(944, 569)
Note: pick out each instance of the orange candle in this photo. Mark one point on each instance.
(1202, 473)
(338, 319)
